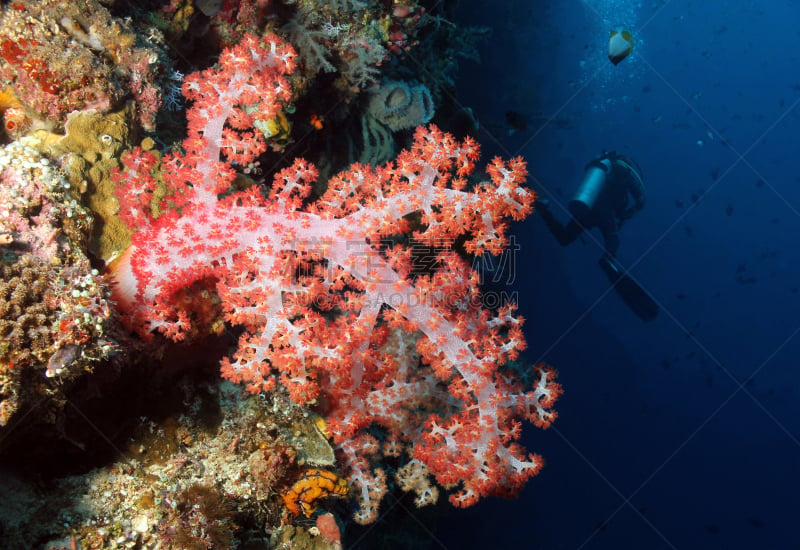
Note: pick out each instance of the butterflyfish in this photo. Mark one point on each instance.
(620, 45)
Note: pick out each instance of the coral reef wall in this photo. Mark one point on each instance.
(237, 303)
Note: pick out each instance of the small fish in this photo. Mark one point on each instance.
(61, 359)
(316, 121)
(620, 45)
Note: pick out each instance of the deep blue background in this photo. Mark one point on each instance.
(661, 441)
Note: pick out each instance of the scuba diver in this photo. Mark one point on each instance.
(611, 192)
(601, 201)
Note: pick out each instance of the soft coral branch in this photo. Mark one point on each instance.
(323, 301)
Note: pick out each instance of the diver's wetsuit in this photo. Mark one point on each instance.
(611, 209)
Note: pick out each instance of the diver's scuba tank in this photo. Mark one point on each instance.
(590, 189)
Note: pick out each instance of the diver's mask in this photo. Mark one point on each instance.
(590, 189)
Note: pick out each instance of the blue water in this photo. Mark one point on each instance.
(683, 432)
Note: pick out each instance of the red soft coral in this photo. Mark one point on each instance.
(331, 311)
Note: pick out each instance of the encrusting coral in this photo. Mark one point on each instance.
(60, 56)
(313, 485)
(87, 155)
(54, 309)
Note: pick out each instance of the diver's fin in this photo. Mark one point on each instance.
(635, 297)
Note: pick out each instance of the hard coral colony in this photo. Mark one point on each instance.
(54, 310)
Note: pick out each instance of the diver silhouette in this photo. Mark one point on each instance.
(611, 192)
(601, 201)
